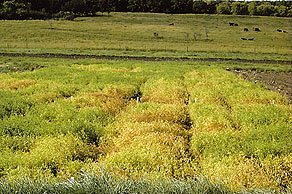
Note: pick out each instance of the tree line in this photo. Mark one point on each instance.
(44, 9)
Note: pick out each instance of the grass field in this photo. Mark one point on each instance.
(133, 126)
(141, 34)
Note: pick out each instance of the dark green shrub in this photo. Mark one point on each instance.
(281, 11)
(223, 8)
(265, 9)
(239, 8)
(13, 9)
(200, 7)
(34, 14)
(252, 8)
(65, 15)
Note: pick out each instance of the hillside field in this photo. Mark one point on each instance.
(82, 125)
(142, 34)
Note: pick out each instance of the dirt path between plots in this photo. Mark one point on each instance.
(277, 81)
(143, 58)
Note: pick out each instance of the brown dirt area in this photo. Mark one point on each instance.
(143, 58)
(277, 81)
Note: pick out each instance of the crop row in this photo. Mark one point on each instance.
(144, 121)
(150, 138)
(240, 131)
(51, 124)
(53, 119)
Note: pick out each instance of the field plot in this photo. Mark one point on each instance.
(142, 34)
(141, 120)
(185, 123)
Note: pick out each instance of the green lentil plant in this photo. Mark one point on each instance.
(152, 111)
(23, 126)
(164, 90)
(49, 157)
(19, 67)
(240, 131)
(11, 103)
(209, 117)
(151, 149)
(16, 143)
(9, 83)
(214, 85)
(150, 138)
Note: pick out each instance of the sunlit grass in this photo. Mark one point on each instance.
(133, 34)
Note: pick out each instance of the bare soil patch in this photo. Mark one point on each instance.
(277, 81)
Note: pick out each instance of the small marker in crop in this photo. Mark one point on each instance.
(71, 180)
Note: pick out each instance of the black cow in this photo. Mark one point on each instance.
(250, 39)
(231, 24)
(235, 24)
(243, 39)
(245, 29)
(257, 29)
(279, 30)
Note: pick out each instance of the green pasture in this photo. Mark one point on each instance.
(145, 34)
(197, 127)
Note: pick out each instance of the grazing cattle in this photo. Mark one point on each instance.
(257, 29)
(235, 24)
(284, 31)
(243, 39)
(231, 24)
(279, 30)
(250, 39)
(171, 24)
(245, 29)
